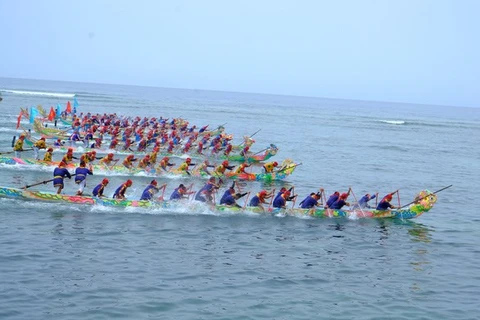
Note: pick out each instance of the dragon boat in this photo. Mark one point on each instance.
(262, 156)
(288, 168)
(424, 201)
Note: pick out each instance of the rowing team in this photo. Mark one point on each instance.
(207, 193)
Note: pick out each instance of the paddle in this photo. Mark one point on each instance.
(426, 196)
(8, 152)
(251, 136)
(288, 167)
(356, 201)
(44, 182)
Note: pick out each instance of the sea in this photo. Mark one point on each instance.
(87, 262)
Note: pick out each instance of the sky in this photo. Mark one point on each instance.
(413, 51)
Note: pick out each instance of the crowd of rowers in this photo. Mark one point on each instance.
(207, 193)
(147, 162)
(139, 134)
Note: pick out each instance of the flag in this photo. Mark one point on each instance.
(69, 107)
(51, 115)
(75, 105)
(19, 118)
(33, 114)
(59, 112)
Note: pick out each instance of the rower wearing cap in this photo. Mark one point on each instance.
(144, 162)
(230, 191)
(385, 204)
(269, 166)
(128, 161)
(59, 173)
(180, 193)
(311, 201)
(222, 167)
(108, 159)
(206, 193)
(48, 155)
(120, 192)
(259, 199)
(331, 200)
(231, 199)
(165, 163)
(241, 168)
(202, 168)
(68, 157)
(98, 190)
(183, 167)
(18, 147)
(40, 144)
(150, 190)
(281, 201)
(341, 201)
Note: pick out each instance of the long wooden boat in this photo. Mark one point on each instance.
(425, 202)
(288, 169)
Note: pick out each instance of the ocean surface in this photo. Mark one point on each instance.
(76, 262)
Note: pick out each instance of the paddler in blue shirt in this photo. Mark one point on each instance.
(81, 176)
(230, 191)
(206, 193)
(120, 192)
(59, 174)
(150, 191)
(259, 199)
(98, 190)
(311, 201)
(342, 201)
(281, 201)
(363, 202)
(180, 193)
(332, 199)
(385, 204)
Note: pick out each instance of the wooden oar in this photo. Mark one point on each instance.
(44, 182)
(8, 152)
(356, 201)
(251, 136)
(416, 200)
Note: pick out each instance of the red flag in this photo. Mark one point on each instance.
(51, 115)
(69, 107)
(19, 118)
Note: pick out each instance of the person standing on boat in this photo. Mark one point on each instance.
(59, 173)
(18, 147)
(120, 192)
(363, 202)
(385, 204)
(269, 166)
(48, 155)
(98, 190)
(150, 190)
(40, 144)
(205, 194)
(180, 193)
(81, 176)
(259, 199)
(342, 201)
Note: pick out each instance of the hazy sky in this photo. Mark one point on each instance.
(399, 50)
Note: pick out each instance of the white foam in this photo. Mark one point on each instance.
(40, 93)
(396, 122)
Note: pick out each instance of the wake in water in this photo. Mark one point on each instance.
(40, 93)
(396, 122)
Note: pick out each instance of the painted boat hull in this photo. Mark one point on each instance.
(120, 169)
(411, 212)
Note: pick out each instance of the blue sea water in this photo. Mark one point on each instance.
(71, 262)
